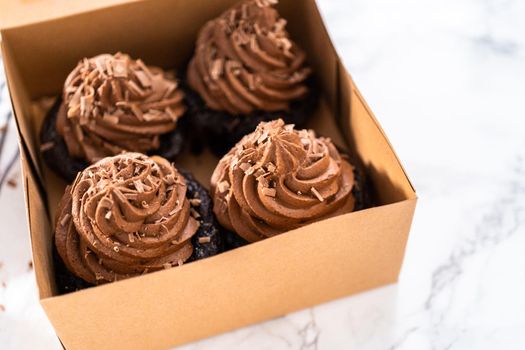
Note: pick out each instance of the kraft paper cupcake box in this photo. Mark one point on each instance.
(304, 267)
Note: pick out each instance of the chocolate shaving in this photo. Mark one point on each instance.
(316, 156)
(216, 68)
(131, 196)
(119, 67)
(136, 111)
(244, 167)
(65, 219)
(263, 137)
(86, 103)
(138, 185)
(263, 181)
(112, 119)
(174, 116)
(260, 172)
(244, 11)
(279, 25)
(270, 192)
(143, 78)
(135, 89)
(99, 67)
(251, 82)
(205, 239)
(195, 202)
(73, 110)
(195, 213)
(223, 186)
(289, 127)
(47, 146)
(265, 3)
(169, 180)
(271, 167)
(317, 194)
(144, 68)
(171, 86)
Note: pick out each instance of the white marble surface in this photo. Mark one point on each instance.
(447, 81)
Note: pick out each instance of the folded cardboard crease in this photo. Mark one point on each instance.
(310, 265)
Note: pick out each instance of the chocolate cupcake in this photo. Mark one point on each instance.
(277, 179)
(128, 215)
(245, 70)
(111, 104)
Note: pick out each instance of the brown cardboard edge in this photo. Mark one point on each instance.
(337, 102)
(380, 128)
(29, 174)
(20, 13)
(332, 284)
(32, 159)
(351, 104)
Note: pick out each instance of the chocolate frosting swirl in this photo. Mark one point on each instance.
(112, 103)
(277, 179)
(124, 216)
(244, 61)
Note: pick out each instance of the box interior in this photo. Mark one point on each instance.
(40, 66)
(39, 56)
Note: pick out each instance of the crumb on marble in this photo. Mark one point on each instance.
(12, 182)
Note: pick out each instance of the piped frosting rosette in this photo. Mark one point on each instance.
(245, 61)
(112, 103)
(124, 216)
(277, 179)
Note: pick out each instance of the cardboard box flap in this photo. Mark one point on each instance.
(21, 104)
(14, 13)
(351, 255)
(350, 103)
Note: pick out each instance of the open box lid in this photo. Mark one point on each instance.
(14, 13)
